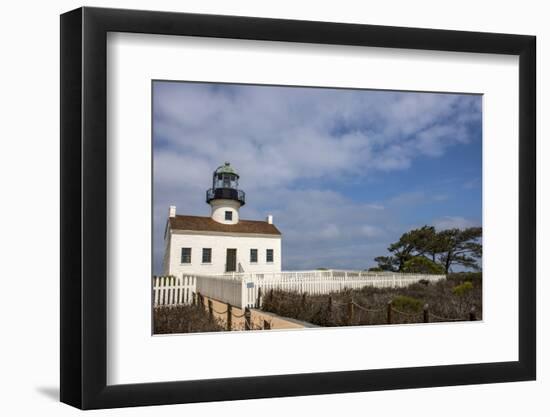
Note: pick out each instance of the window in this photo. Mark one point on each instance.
(253, 256)
(269, 255)
(226, 181)
(185, 255)
(228, 215)
(206, 255)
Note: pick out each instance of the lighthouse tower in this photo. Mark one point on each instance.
(222, 242)
(224, 197)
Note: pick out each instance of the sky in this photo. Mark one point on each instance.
(344, 172)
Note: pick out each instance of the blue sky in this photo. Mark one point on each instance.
(344, 172)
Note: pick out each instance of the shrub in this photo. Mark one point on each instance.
(459, 277)
(184, 319)
(422, 265)
(404, 302)
(438, 295)
(463, 288)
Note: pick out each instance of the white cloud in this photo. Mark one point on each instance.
(371, 231)
(453, 222)
(287, 141)
(307, 133)
(330, 231)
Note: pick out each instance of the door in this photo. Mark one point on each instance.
(231, 260)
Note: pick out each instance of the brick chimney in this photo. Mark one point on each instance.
(269, 219)
(172, 211)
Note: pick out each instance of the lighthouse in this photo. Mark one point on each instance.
(222, 242)
(224, 197)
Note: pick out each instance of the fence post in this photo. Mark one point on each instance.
(389, 311)
(199, 299)
(351, 312)
(194, 302)
(153, 293)
(229, 317)
(244, 294)
(210, 309)
(259, 298)
(267, 325)
(473, 314)
(247, 324)
(426, 314)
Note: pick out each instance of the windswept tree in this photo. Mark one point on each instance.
(460, 247)
(422, 265)
(417, 242)
(385, 263)
(442, 249)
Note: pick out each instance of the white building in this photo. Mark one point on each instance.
(222, 242)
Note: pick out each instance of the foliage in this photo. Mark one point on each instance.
(444, 248)
(421, 265)
(460, 277)
(331, 310)
(184, 319)
(387, 263)
(463, 288)
(404, 302)
(417, 242)
(460, 247)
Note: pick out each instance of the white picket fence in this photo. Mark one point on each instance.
(170, 290)
(242, 289)
(323, 282)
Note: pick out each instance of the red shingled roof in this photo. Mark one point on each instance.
(206, 224)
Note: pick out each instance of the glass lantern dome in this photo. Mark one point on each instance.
(225, 185)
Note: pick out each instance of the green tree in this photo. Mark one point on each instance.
(422, 265)
(417, 242)
(445, 248)
(386, 263)
(460, 247)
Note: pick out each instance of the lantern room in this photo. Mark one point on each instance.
(225, 185)
(224, 197)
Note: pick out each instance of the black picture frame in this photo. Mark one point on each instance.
(84, 207)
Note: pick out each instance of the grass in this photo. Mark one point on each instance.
(448, 300)
(184, 319)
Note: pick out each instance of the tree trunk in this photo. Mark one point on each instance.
(448, 260)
